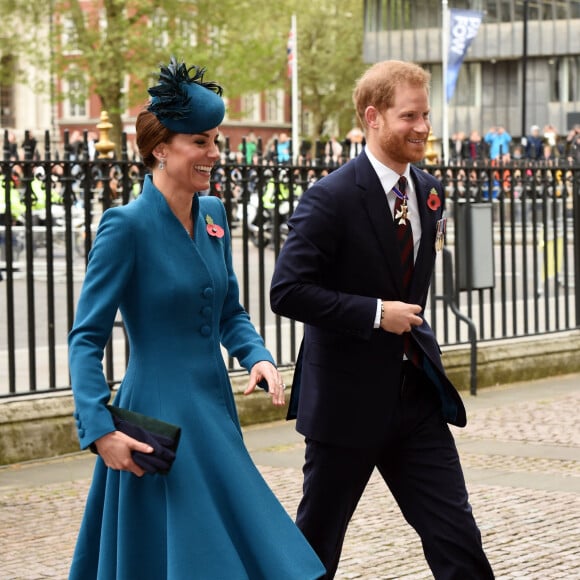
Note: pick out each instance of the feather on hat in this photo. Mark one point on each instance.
(185, 103)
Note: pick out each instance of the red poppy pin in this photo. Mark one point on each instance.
(433, 200)
(213, 229)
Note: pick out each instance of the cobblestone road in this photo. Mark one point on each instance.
(520, 453)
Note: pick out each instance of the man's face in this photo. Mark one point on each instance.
(399, 134)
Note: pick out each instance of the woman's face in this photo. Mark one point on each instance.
(189, 160)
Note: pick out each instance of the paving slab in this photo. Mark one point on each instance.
(521, 456)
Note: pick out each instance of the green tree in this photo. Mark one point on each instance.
(120, 44)
(330, 36)
(24, 54)
(112, 48)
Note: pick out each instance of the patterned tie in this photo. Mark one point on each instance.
(405, 239)
(407, 251)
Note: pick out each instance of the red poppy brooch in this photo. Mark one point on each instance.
(213, 229)
(433, 200)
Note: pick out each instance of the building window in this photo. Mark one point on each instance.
(69, 36)
(513, 11)
(251, 104)
(307, 123)
(159, 24)
(6, 106)
(539, 10)
(275, 106)
(573, 78)
(404, 15)
(404, 12)
(505, 11)
(7, 96)
(370, 19)
(491, 12)
(565, 79)
(424, 15)
(75, 90)
(391, 15)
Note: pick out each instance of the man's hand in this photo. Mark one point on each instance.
(400, 317)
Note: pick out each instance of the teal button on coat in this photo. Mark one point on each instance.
(213, 517)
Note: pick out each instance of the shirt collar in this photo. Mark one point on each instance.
(386, 175)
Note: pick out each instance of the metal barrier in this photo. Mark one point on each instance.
(536, 250)
(57, 203)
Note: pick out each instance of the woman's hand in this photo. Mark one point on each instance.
(115, 449)
(265, 370)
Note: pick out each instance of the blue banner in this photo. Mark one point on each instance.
(463, 27)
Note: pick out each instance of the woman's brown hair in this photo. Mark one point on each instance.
(150, 133)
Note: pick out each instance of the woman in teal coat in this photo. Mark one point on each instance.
(164, 261)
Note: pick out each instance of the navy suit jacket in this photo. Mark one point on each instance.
(340, 256)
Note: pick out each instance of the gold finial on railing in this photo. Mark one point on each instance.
(430, 153)
(104, 145)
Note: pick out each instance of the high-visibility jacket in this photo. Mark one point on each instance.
(17, 208)
(38, 187)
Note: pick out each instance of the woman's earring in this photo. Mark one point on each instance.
(162, 164)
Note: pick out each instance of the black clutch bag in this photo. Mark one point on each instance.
(162, 436)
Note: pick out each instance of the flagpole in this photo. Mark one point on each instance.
(295, 100)
(444, 58)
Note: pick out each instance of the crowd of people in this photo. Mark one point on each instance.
(276, 151)
(543, 147)
(30, 148)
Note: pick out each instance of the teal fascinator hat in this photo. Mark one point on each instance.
(183, 102)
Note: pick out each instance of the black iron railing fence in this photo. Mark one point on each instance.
(512, 250)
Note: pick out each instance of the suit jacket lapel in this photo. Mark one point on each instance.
(428, 225)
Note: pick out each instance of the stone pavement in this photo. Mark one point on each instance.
(521, 457)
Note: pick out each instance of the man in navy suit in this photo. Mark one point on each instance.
(372, 389)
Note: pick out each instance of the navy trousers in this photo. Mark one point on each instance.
(420, 465)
